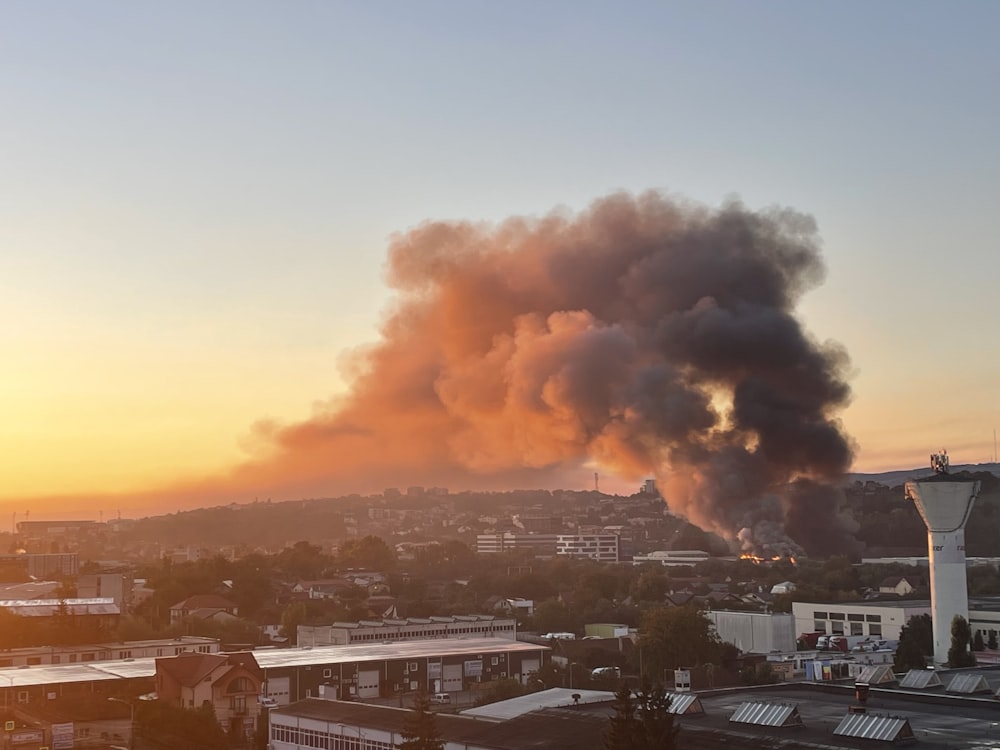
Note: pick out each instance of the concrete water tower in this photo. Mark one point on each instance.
(945, 502)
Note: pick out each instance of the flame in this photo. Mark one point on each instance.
(758, 560)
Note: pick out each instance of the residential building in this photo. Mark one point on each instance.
(202, 606)
(898, 585)
(230, 683)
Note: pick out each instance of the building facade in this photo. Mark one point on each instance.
(409, 629)
(600, 547)
(755, 632)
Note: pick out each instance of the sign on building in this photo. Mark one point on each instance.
(62, 736)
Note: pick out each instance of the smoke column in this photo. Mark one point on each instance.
(647, 334)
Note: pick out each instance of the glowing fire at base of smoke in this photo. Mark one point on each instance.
(757, 560)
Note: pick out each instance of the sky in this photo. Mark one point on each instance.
(197, 203)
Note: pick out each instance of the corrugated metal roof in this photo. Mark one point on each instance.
(109, 670)
(969, 683)
(874, 727)
(878, 674)
(551, 698)
(686, 703)
(920, 679)
(767, 714)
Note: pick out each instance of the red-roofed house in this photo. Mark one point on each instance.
(229, 682)
(202, 605)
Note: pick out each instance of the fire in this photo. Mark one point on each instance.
(758, 560)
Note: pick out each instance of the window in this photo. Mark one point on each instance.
(856, 618)
(875, 630)
(836, 615)
(494, 661)
(819, 626)
(873, 618)
(22, 696)
(412, 666)
(327, 672)
(34, 661)
(239, 685)
(238, 704)
(857, 628)
(837, 628)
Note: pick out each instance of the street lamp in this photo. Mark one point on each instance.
(131, 719)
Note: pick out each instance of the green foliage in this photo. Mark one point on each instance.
(168, 726)
(960, 653)
(369, 553)
(677, 637)
(992, 641)
(761, 673)
(420, 730)
(293, 616)
(641, 723)
(915, 639)
(977, 641)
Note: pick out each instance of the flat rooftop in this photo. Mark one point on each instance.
(272, 659)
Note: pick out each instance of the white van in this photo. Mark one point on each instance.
(442, 699)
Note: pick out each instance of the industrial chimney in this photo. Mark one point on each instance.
(944, 503)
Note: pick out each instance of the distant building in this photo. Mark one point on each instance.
(102, 612)
(543, 545)
(45, 565)
(785, 587)
(755, 632)
(649, 487)
(53, 528)
(672, 558)
(33, 656)
(408, 629)
(114, 585)
(898, 585)
(202, 606)
(600, 547)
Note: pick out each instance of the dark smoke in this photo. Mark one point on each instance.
(647, 334)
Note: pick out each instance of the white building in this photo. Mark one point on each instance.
(879, 619)
(755, 632)
(409, 629)
(600, 547)
(671, 558)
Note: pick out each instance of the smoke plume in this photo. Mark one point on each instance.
(646, 334)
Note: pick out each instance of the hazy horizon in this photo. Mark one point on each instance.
(202, 205)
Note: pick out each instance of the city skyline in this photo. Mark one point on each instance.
(199, 205)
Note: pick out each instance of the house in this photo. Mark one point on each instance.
(229, 683)
(202, 606)
(898, 585)
(785, 587)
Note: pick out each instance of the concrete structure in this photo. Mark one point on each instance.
(600, 547)
(672, 558)
(32, 656)
(879, 620)
(292, 674)
(944, 504)
(45, 565)
(115, 585)
(408, 629)
(755, 632)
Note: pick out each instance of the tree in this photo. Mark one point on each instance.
(420, 730)
(959, 654)
(370, 553)
(992, 641)
(758, 674)
(674, 637)
(642, 722)
(912, 647)
(620, 734)
(977, 641)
